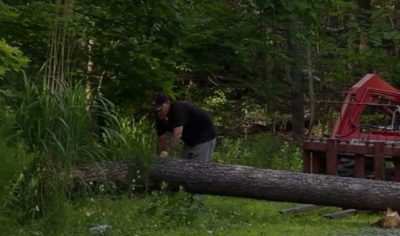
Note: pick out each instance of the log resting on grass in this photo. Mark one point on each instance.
(250, 182)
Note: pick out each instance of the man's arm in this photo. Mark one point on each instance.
(162, 143)
(175, 138)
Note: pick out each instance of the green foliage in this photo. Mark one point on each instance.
(168, 209)
(217, 104)
(24, 25)
(13, 153)
(241, 117)
(124, 138)
(15, 159)
(229, 46)
(264, 152)
(141, 55)
(206, 23)
(11, 58)
(138, 47)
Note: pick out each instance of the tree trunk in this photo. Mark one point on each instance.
(250, 182)
(364, 21)
(311, 91)
(297, 89)
(396, 48)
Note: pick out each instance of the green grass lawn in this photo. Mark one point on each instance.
(178, 214)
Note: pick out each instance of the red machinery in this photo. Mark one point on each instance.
(365, 137)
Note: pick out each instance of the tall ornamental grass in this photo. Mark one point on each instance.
(62, 129)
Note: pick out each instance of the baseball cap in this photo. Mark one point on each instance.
(160, 99)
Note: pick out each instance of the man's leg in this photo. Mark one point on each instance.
(201, 152)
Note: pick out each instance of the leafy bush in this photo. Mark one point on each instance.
(172, 209)
(13, 152)
(11, 58)
(267, 151)
(15, 158)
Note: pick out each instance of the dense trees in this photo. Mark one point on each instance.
(252, 51)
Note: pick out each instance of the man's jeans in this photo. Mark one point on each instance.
(201, 152)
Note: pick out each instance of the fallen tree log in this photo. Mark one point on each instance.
(250, 182)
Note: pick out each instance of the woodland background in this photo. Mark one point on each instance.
(77, 78)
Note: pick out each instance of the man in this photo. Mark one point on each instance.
(187, 123)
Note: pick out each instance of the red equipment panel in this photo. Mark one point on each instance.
(371, 90)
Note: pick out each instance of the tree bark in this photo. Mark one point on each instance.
(311, 91)
(364, 21)
(396, 48)
(250, 182)
(297, 89)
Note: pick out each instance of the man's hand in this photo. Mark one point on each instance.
(163, 154)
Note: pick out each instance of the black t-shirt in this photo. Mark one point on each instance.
(197, 125)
